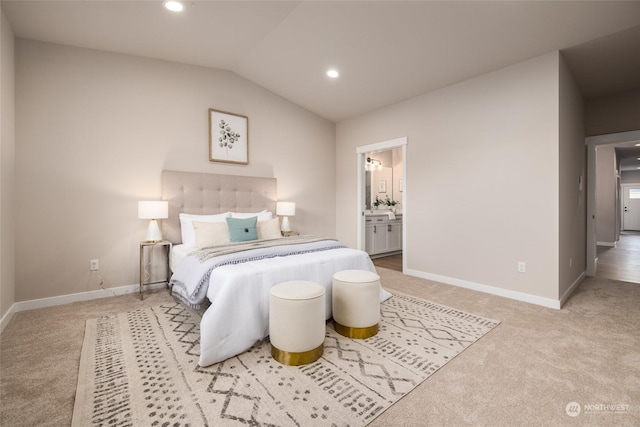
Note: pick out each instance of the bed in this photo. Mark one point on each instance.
(235, 278)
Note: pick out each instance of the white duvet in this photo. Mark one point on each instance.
(239, 293)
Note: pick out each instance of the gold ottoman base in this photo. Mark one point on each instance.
(357, 333)
(295, 359)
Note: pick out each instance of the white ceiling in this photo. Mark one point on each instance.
(386, 51)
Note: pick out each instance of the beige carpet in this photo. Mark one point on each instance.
(525, 372)
(141, 367)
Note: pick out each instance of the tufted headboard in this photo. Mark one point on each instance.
(206, 193)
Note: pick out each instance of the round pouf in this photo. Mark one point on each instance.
(297, 322)
(356, 303)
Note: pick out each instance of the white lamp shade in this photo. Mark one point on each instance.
(153, 210)
(286, 208)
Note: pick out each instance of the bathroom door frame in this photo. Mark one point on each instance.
(382, 146)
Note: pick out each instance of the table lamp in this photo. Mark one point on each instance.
(285, 210)
(153, 210)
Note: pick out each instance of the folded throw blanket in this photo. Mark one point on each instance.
(190, 281)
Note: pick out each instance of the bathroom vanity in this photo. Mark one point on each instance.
(383, 236)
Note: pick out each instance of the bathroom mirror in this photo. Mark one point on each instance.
(379, 183)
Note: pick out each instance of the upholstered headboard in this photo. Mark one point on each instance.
(205, 193)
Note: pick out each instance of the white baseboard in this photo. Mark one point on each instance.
(611, 244)
(572, 288)
(518, 296)
(7, 317)
(66, 299)
(122, 290)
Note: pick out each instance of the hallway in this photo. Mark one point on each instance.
(621, 262)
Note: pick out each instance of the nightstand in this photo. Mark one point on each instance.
(289, 233)
(151, 245)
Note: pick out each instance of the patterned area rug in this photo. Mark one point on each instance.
(140, 368)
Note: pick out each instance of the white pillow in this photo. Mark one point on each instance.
(269, 229)
(211, 234)
(262, 215)
(186, 225)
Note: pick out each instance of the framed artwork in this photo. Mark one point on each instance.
(228, 137)
(382, 187)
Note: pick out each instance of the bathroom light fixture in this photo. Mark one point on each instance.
(153, 211)
(372, 164)
(285, 210)
(334, 74)
(173, 5)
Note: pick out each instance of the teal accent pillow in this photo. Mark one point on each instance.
(242, 229)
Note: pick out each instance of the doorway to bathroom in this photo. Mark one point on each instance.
(382, 206)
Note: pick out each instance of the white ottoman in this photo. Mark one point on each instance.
(297, 322)
(356, 303)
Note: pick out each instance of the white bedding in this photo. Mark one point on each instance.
(239, 295)
(178, 253)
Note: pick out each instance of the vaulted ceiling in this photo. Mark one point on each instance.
(386, 51)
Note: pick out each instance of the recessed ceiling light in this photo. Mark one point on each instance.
(333, 74)
(173, 5)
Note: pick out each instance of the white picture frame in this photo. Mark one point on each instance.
(228, 137)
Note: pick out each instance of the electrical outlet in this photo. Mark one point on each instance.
(522, 267)
(94, 265)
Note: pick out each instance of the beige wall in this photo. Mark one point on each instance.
(573, 185)
(95, 129)
(606, 229)
(482, 177)
(613, 114)
(398, 170)
(7, 172)
(630, 177)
